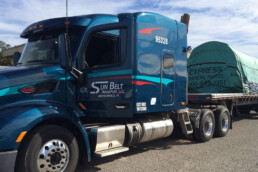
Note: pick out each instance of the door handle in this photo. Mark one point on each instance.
(121, 106)
(170, 98)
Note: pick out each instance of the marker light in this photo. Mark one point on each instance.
(82, 106)
(19, 139)
(182, 103)
(40, 26)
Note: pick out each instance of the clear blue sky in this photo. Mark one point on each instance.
(232, 21)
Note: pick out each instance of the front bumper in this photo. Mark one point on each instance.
(7, 160)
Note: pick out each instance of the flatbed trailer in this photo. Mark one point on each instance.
(235, 100)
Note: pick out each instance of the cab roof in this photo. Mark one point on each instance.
(76, 21)
(79, 21)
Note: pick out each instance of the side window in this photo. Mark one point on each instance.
(103, 49)
(168, 61)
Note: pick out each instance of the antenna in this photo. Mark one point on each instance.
(67, 22)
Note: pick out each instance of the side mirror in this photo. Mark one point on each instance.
(64, 51)
(188, 49)
(16, 58)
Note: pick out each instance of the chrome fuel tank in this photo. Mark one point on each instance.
(156, 129)
(147, 130)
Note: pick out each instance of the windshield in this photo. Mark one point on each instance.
(43, 49)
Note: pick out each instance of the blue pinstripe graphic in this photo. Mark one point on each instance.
(15, 89)
(153, 79)
(124, 72)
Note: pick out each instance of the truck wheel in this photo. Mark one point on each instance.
(222, 118)
(48, 148)
(207, 125)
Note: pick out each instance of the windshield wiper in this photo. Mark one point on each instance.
(41, 62)
(32, 61)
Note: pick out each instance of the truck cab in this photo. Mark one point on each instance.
(93, 84)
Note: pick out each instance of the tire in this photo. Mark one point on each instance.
(207, 126)
(222, 120)
(48, 148)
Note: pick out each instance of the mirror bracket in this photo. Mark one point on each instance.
(66, 58)
(78, 75)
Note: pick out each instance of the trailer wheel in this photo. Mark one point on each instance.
(207, 125)
(222, 118)
(48, 148)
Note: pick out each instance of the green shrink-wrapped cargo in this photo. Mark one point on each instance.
(215, 67)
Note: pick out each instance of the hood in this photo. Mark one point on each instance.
(15, 69)
(14, 78)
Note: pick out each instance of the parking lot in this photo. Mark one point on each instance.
(238, 151)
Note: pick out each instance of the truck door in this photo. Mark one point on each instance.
(108, 92)
(167, 78)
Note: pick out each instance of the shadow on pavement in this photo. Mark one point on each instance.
(161, 144)
(252, 115)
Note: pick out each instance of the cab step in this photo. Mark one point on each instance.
(108, 152)
(185, 123)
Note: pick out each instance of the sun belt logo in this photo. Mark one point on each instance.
(96, 86)
(158, 39)
(107, 89)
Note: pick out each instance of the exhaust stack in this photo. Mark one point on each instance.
(185, 19)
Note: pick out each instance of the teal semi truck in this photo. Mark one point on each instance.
(94, 85)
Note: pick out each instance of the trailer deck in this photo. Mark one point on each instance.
(219, 96)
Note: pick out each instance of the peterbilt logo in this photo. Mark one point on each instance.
(27, 89)
(83, 90)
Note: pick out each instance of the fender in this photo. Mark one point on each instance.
(25, 115)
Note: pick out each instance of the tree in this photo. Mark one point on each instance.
(4, 46)
(4, 61)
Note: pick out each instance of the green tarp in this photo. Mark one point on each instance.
(215, 67)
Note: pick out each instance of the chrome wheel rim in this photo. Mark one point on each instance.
(224, 123)
(53, 156)
(208, 126)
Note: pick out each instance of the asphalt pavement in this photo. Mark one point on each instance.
(238, 151)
